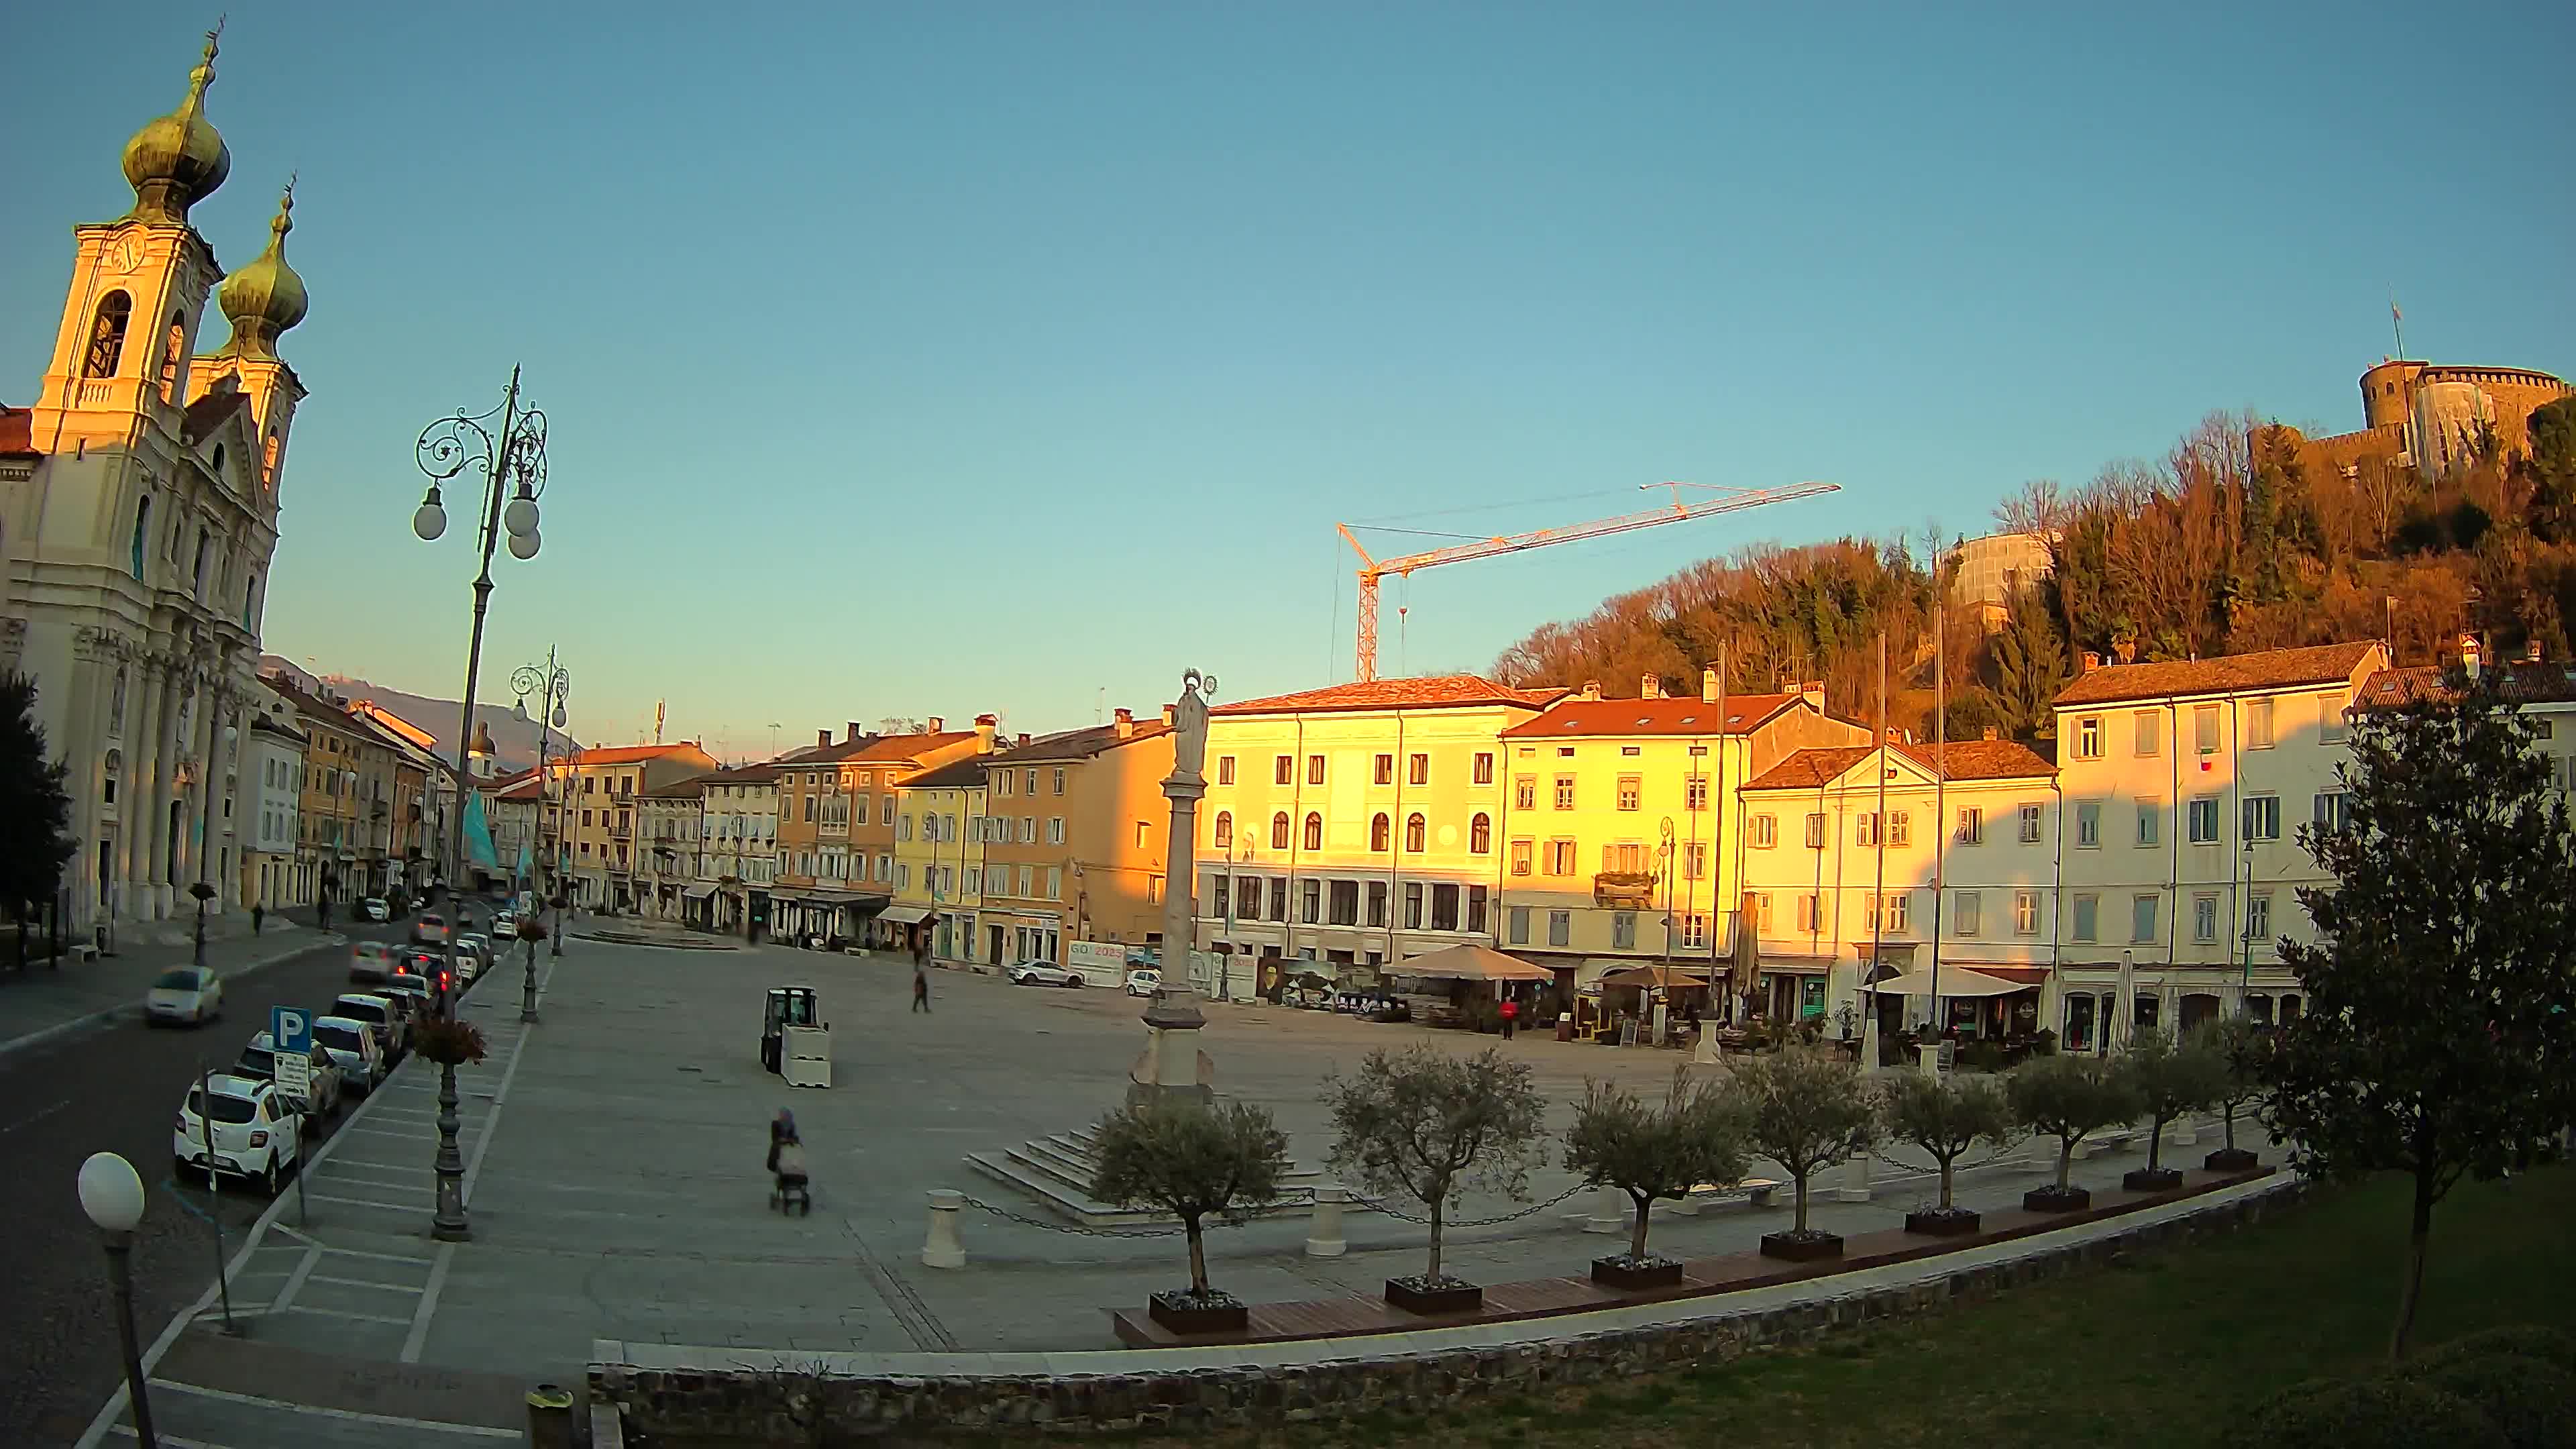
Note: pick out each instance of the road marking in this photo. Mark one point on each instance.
(483, 1140)
(349, 1252)
(173, 1440)
(427, 1308)
(34, 1117)
(479, 1431)
(294, 1283)
(380, 1166)
(392, 1132)
(366, 1202)
(338, 1313)
(367, 1283)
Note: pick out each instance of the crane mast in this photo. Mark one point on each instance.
(1372, 570)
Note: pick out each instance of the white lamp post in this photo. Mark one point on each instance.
(112, 1195)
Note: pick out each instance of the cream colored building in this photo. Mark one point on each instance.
(1958, 870)
(2184, 787)
(1620, 841)
(737, 855)
(138, 516)
(1356, 825)
(668, 819)
(270, 801)
(939, 856)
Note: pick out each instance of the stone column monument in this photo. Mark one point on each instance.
(1173, 1066)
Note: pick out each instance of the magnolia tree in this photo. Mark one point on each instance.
(1653, 1150)
(2067, 1097)
(1429, 1125)
(1806, 1111)
(2171, 1076)
(1192, 1161)
(1946, 1116)
(2440, 1036)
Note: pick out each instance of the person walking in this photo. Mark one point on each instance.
(920, 986)
(1510, 1011)
(257, 914)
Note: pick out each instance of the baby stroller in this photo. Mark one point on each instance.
(789, 1188)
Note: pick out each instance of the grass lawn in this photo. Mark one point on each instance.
(2159, 1351)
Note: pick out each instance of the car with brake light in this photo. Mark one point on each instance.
(232, 1126)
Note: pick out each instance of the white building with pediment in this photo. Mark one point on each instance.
(138, 516)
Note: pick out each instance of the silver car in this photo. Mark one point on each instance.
(353, 1049)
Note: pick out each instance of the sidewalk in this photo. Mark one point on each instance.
(45, 1002)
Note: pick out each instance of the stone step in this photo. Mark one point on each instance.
(1068, 1201)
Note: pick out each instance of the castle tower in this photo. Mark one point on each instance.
(2388, 394)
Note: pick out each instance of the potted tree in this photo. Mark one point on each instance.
(2171, 1076)
(2066, 1097)
(1807, 1112)
(1652, 1151)
(1946, 1116)
(1429, 1125)
(2245, 1050)
(1191, 1160)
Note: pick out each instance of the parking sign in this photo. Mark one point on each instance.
(291, 1027)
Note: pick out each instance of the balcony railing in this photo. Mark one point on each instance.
(1624, 890)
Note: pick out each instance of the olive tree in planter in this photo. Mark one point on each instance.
(2171, 1076)
(1191, 1160)
(1946, 1116)
(451, 1044)
(1806, 1111)
(1652, 1151)
(1429, 1125)
(2066, 1097)
(2244, 1049)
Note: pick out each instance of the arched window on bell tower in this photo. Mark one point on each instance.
(268, 462)
(107, 335)
(171, 354)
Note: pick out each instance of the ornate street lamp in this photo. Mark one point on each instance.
(552, 685)
(513, 463)
(111, 1194)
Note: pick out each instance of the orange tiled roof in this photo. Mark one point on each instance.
(2521, 683)
(629, 754)
(1085, 743)
(1433, 691)
(894, 749)
(1958, 760)
(17, 432)
(2227, 674)
(1575, 718)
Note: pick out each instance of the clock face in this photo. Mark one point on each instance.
(124, 254)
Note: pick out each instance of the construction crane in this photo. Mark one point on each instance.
(1371, 570)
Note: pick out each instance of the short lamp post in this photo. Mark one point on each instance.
(112, 1195)
(204, 893)
(531, 931)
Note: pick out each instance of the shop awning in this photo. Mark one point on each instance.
(1469, 963)
(699, 893)
(1654, 976)
(905, 915)
(1955, 981)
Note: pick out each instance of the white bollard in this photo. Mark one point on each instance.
(1855, 1186)
(1609, 1212)
(2185, 1133)
(1324, 1234)
(942, 1249)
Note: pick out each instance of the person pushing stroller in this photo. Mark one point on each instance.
(789, 1185)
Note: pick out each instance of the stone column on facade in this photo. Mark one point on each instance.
(150, 889)
(1170, 1066)
(187, 852)
(85, 745)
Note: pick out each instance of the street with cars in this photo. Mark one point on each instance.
(195, 1045)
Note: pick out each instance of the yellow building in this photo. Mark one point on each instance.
(1355, 826)
(1622, 842)
(1075, 847)
(939, 855)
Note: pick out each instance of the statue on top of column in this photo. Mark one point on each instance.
(1190, 721)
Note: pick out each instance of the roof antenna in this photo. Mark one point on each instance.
(2397, 322)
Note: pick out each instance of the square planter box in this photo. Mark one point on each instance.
(1619, 1273)
(1932, 1222)
(1182, 1314)
(1801, 1250)
(1450, 1298)
(2051, 1200)
(2151, 1179)
(2231, 1159)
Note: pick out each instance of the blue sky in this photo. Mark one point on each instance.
(932, 359)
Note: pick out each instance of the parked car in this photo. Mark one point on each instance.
(384, 1018)
(420, 961)
(259, 1063)
(473, 955)
(505, 927)
(374, 908)
(253, 1135)
(353, 1049)
(193, 994)
(1041, 972)
(429, 928)
(413, 998)
(370, 962)
(1144, 981)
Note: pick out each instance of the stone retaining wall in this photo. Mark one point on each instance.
(736, 1404)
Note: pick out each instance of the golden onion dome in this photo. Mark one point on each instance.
(179, 159)
(266, 297)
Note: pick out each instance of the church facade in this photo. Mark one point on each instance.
(138, 516)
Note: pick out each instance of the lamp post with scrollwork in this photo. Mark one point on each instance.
(552, 685)
(512, 458)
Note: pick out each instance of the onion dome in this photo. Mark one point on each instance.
(178, 159)
(266, 297)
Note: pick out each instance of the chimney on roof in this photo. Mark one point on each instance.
(986, 726)
(1122, 723)
(1651, 687)
(2092, 661)
(1171, 712)
(1992, 733)
(1591, 689)
(2531, 652)
(1022, 739)
(850, 732)
(935, 726)
(2471, 656)
(822, 738)
(1708, 685)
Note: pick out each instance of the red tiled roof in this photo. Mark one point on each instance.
(1963, 759)
(1434, 691)
(629, 754)
(2227, 674)
(2521, 683)
(1574, 718)
(17, 432)
(894, 749)
(762, 774)
(1085, 743)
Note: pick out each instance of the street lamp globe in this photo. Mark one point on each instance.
(111, 1193)
(561, 718)
(521, 516)
(524, 545)
(430, 520)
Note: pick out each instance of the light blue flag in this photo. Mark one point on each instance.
(478, 835)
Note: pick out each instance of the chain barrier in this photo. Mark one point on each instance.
(1080, 1232)
(1379, 1205)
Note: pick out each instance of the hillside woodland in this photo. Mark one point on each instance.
(2228, 544)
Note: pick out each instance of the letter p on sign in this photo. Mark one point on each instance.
(291, 1027)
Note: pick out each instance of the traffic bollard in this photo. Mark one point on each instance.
(943, 1249)
(1324, 1235)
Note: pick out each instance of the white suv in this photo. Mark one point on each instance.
(253, 1136)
